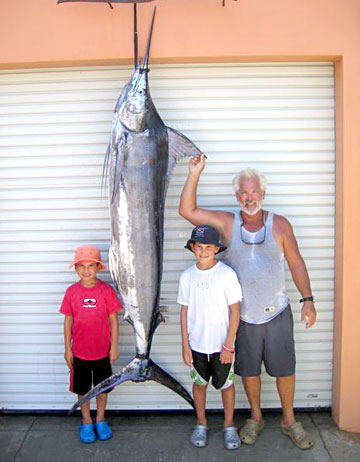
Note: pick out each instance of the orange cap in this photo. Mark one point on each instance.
(87, 253)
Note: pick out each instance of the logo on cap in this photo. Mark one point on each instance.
(206, 235)
(199, 232)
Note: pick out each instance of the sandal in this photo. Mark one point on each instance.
(86, 433)
(199, 436)
(250, 431)
(231, 438)
(300, 437)
(103, 431)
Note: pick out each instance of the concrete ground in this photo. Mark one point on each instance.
(165, 438)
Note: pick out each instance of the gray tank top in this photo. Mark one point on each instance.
(261, 271)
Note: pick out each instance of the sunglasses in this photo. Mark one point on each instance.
(261, 241)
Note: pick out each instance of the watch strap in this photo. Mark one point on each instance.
(306, 299)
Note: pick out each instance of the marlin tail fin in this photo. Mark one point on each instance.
(138, 370)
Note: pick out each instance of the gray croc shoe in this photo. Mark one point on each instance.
(231, 438)
(199, 436)
(250, 431)
(300, 437)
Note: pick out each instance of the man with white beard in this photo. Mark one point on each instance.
(258, 244)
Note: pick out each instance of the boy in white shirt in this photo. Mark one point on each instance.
(210, 296)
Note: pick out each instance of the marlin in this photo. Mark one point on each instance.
(139, 160)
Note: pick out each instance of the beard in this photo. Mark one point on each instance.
(251, 207)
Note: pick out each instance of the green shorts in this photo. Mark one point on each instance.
(209, 365)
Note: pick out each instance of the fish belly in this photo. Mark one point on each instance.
(135, 255)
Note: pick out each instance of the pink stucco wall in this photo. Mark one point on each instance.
(37, 33)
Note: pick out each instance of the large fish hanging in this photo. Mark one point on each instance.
(139, 160)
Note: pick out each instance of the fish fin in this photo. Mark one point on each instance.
(119, 162)
(179, 147)
(105, 169)
(156, 321)
(125, 374)
(160, 318)
(128, 319)
(138, 370)
(160, 376)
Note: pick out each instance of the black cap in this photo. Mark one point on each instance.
(206, 235)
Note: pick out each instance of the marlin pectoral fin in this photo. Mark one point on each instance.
(119, 162)
(160, 376)
(105, 168)
(179, 147)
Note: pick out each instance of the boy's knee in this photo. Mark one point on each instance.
(200, 386)
(228, 389)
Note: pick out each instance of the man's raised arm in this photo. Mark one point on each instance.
(188, 206)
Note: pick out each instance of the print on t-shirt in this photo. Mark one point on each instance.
(89, 303)
(202, 284)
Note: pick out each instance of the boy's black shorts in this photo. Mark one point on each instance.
(87, 373)
(209, 365)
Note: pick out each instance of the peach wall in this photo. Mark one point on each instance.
(346, 399)
(42, 32)
(37, 33)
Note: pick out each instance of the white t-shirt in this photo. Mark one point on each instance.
(208, 294)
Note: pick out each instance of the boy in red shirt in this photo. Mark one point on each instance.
(91, 331)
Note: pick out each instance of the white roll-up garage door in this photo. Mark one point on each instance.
(55, 126)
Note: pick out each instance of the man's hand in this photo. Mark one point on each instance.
(187, 355)
(69, 358)
(308, 314)
(197, 164)
(226, 357)
(114, 354)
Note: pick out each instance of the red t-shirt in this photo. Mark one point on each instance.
(90, 308)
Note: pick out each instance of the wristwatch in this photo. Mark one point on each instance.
(306, 299)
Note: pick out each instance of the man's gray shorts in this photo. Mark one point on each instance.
(272, 342)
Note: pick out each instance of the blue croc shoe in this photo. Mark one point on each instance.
(86, 433)
(103, 430)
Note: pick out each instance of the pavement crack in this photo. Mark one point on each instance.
(24, 439)
(321, 437)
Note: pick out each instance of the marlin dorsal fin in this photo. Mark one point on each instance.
(179, 147)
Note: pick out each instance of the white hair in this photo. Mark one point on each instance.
(248, 174)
